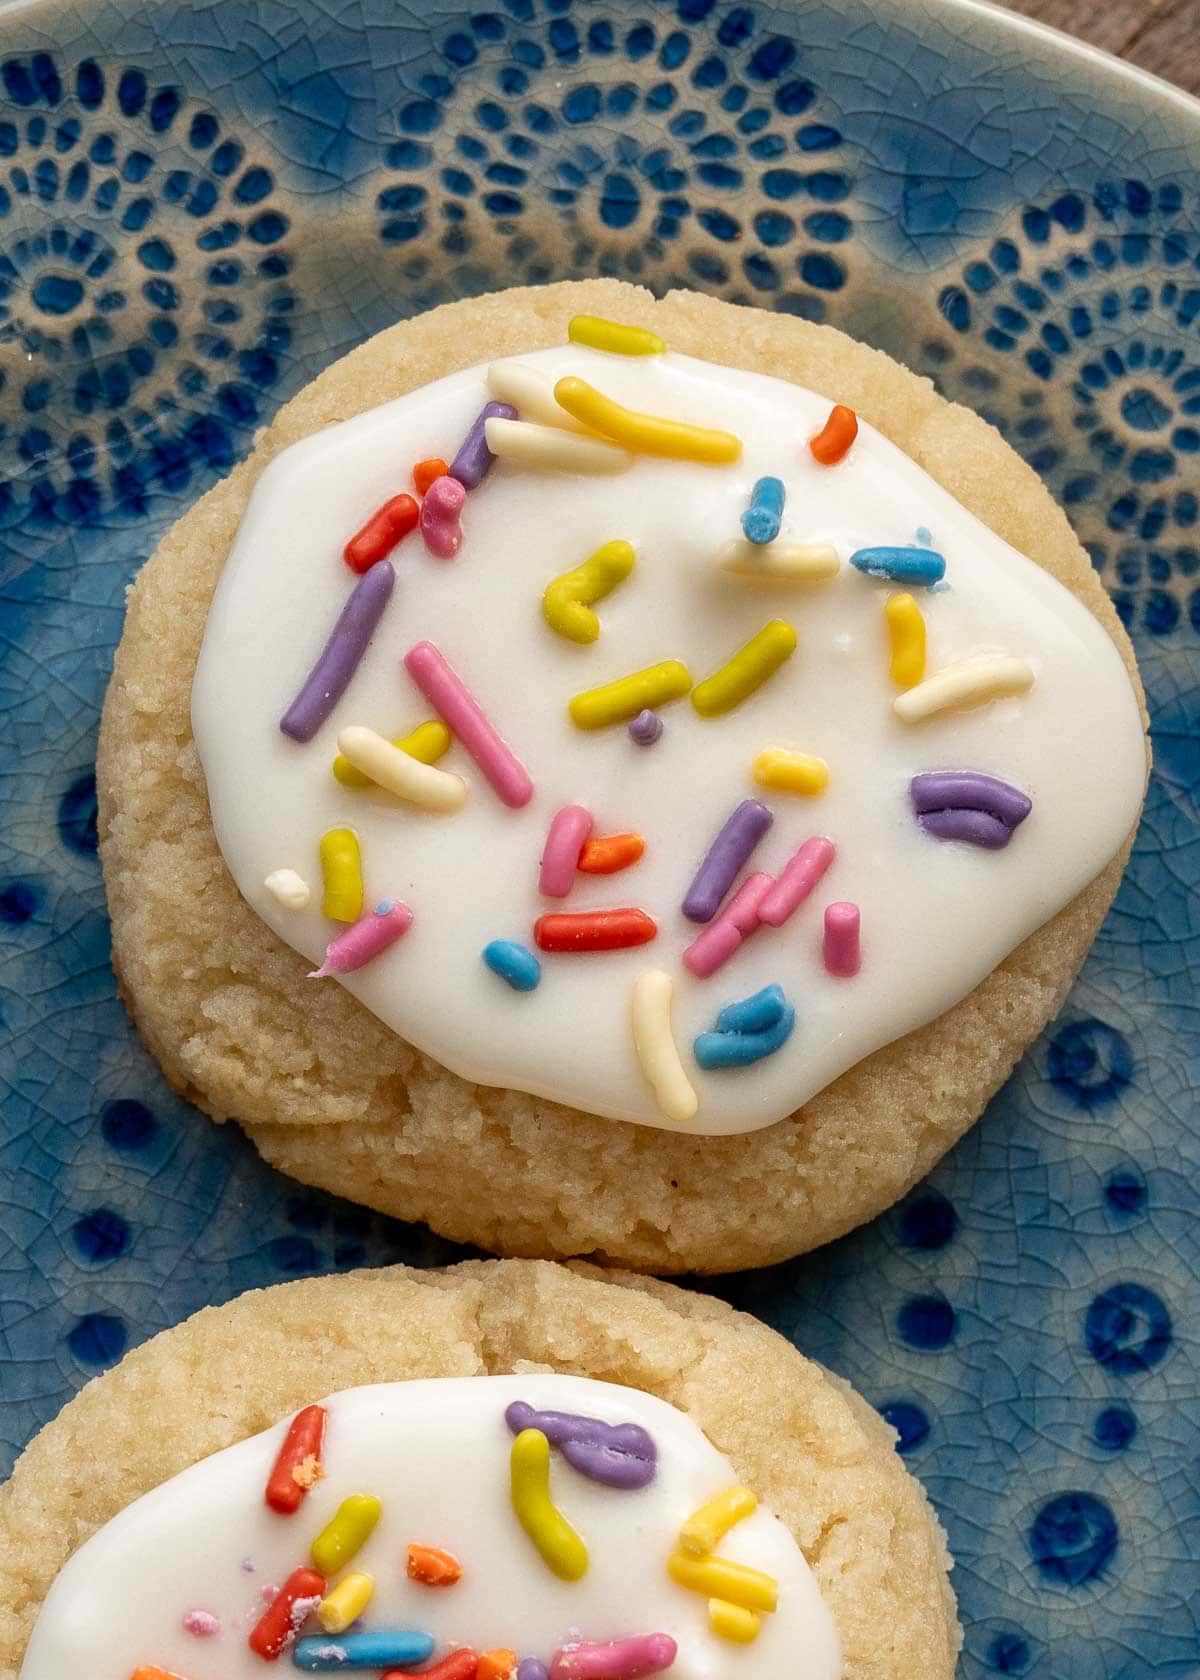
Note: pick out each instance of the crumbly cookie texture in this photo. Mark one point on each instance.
(815, 1452)
(224, 1004)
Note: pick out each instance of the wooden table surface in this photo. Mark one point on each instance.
(1160, 35)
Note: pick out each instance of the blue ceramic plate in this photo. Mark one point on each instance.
(200, 206)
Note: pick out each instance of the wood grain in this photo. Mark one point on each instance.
(1159, 35)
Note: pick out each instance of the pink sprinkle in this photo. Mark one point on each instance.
(365, 939)
(843, 955)
(268, 1592)
(718, 942)
(202, 1623)
(440, 522)
(564, 843)
(797, 879)
(444, 690)
(624, 1659)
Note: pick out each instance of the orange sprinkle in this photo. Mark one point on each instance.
(432, 1566)
(425, 472)
(835, 437)
(152, 1673)
(496, 1665)
(610, 852)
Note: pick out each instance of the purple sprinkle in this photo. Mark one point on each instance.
(202, 1623)
(330, 676)
(621, 1455)
(969, 790)
(975, 828)
(728, 852)
(645, 728)
(474, 458)
(529, 1668)
(248, 1565)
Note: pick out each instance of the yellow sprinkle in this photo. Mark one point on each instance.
(341, 869)
(611, 336)
(780, 562)
(346, 1603)
(969, 682)
(388, 767)
(531, 393)
(628, 696)
(566, 602)
(732, 1622)
(646, 434)
(427, 743)
(790, 772)
(906, 627)
(560, 1547)
(346, 1531)
(735, 1583)
(746, 671)
(547, 449)
(657, 1053)
(705, 1528)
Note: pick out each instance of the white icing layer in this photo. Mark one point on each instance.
(936, 917)
(436, 1454)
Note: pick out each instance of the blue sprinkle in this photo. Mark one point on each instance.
(515, 964)
(761, 519)
(924, 536)
(740, 1049)
(387, 905)
(901, 565)
(322, 1655)
(753, 1014)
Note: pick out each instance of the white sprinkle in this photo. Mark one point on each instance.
(293, 892)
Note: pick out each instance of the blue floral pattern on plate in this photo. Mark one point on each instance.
(199, 208)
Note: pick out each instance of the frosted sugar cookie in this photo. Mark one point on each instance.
(713, 778)
(392, 1472)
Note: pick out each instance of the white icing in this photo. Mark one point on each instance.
(936, 917)
(436, 1454)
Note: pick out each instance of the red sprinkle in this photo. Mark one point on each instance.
(381, 533)
(424, 474)
(432, 1566)
(290, 1477)
(459, 1665)
(835, 437)
(277, 1626)
(594, 930)
(610, 852)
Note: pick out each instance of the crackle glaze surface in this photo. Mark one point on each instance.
(198, 211)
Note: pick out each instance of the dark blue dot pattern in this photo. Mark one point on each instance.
(1094, 296)
(1009, 1653)
(187, 236)
(910, 1422)
(128, 1125)
(77, 816)
(1115, 1428)
(144, 307)
(1090, 1063)
(926, 1321)
(1073, 1539)
(19, 902)
(97, 1340)
(1125, 1192)
(1128, 1329)
(665, 155)
(927, 1221)
(101, 1235)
